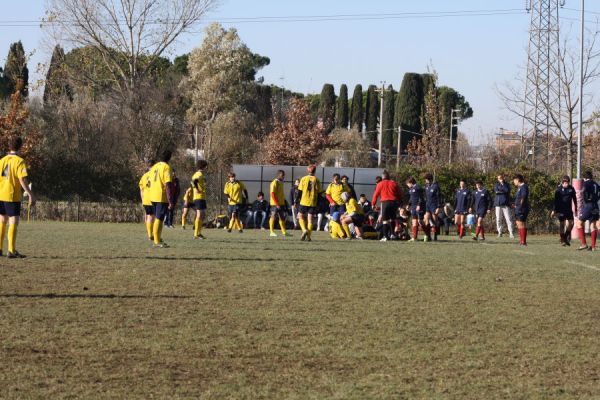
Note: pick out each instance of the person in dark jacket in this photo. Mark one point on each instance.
(565, 201)
(295, 202)
(522, 207)
(176, 192)
(502, 205)
(258, 211)
(589, 212)
(346, 182)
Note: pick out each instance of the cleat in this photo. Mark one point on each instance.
(287, 234)
(512, 236)
(426, 239)
(482, 239)
(308, 239)
(500, 235)
(564, 244)
(567, 243)
(228, 230)
(161, 245)
(523, 244)
(412, 240)
(272, 234)
(241, 231)
(348, 238)
(591, 249)
(200, 237)
(393, 237)
(16, 254)
(359, 238)
(475, 238)
(151, 238)
(384, 239)
(583, 248)
(183, 227)
(304, 236)
(0, 253)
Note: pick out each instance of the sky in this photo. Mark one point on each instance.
(473, 54)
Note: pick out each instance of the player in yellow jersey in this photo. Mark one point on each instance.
(13, 181)
(187, 203)
(161, 195)
(237, 195)
(334, 195)
(277, 202)
(199, 197)
(354, 218)
(144, 185)
(309, 188)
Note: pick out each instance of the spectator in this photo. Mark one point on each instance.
(295, 201)
(349, 187)
(365, 204)
(176, 192)
(260, 209)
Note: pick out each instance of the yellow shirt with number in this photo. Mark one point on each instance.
(335, 190)
(200, 187)
(277, 189)
(12, 169)
(235, 191)
(160, 175)
(352, 207)
(145, 188)
(311, 188)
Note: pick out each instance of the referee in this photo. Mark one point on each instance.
(390, 195)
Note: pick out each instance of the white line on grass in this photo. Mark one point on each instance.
(583, 265)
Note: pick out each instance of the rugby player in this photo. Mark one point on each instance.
(161, 195)
(462, 203)
(589, 212)
(522, 207)
(277, 202)
(565, 200)
(390, 195)
(416, 202)
(432, 207)
(13, 181)
(354, 217)
(199, 197)
(481, 207)
(334, 195)
(309, 189)
(237, 195)
(144, 185)
(188, 203)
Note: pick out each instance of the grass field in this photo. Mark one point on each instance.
(95, 312)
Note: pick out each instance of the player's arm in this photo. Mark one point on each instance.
(24, 181)
(376, 195)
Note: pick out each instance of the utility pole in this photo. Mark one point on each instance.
(195, 145)
(454, 116)
(398, 152)
(380, 134)
(580, 135)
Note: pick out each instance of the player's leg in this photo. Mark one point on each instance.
(415, 228)
(272, 222)
(281, 215)
(346, 221)
(594, 234)
(319, 221)
(159, 216)
(309, 226)
(184, 213)
(3, 223)
(562, 230)
(569, 223)
(580, 224)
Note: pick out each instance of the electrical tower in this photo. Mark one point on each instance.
(543, 83)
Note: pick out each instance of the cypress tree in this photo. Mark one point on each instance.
(341, 112)
(372, 113)
(56, 79)
(409, 104)
(356, 114)
(327, 107)
(390, 135)
(4, 90)
(15, 68)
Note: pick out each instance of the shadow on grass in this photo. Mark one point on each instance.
(90, 296)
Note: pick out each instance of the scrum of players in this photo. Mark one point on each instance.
(390, 215)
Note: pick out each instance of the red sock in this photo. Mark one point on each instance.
(521, 236)
(594, 234)
(482, 231)
(415, 230)
(524, 235)
(582, 236)
(461, 230)
(477, 231)
(433, 229)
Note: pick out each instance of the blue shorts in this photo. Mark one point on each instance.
(200, 204)
(160, 210)
(234, 209)
(564, 215)
(416, 214)
(10, 208)
(481, 214)
(149, 210)
(431, 209)
(521, 214)
(589, 213)
(341, 208)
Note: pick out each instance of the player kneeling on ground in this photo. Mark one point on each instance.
(354, 217)
(13, 181)
(335, 229)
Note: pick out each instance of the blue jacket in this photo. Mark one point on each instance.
(432, 195)
(564, 199)
(591, 193)
(462, 200)
(415, 195)
(482, 200)
(522, 198)
(502, 194)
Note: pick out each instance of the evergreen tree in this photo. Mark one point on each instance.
(409, 104)
(372, 113)
(449, 99)
(341, 112)
(56, 77)
(15, 68)
(390, 135)
(327, 107)
(356, 114)
(4, 86)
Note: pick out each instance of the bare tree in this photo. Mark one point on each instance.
(128, 36)
(563, 114)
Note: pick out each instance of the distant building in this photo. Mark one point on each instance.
(507, 139)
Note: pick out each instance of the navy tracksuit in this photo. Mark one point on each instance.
(462, 201)
(481, 202)
(564, 198)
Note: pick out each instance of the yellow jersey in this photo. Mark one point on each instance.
(335, 190)
(188, 196)
(336, 231)
(311, 188)
(276, 190)
(12, 169)
(160, 175)
(145, 188)
(352, 207)
(200, 187)
(235, 191)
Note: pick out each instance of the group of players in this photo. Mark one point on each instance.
(347, 217)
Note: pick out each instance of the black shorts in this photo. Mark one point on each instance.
(460, 212)
(160, 210)
(149, 210)
(589, 213)
(188, 205)
(565, 215)
(234, 209)
(521, 215)
(10, 208)
(481, 214)
(358, 219)
(200, 204)
(281, 212)
(307, 210)
(416, 214)
(388, 210)
(341, 208)
(431, 209)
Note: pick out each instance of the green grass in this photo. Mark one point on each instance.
(95, 312)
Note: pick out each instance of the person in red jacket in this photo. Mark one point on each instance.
(389, 192)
